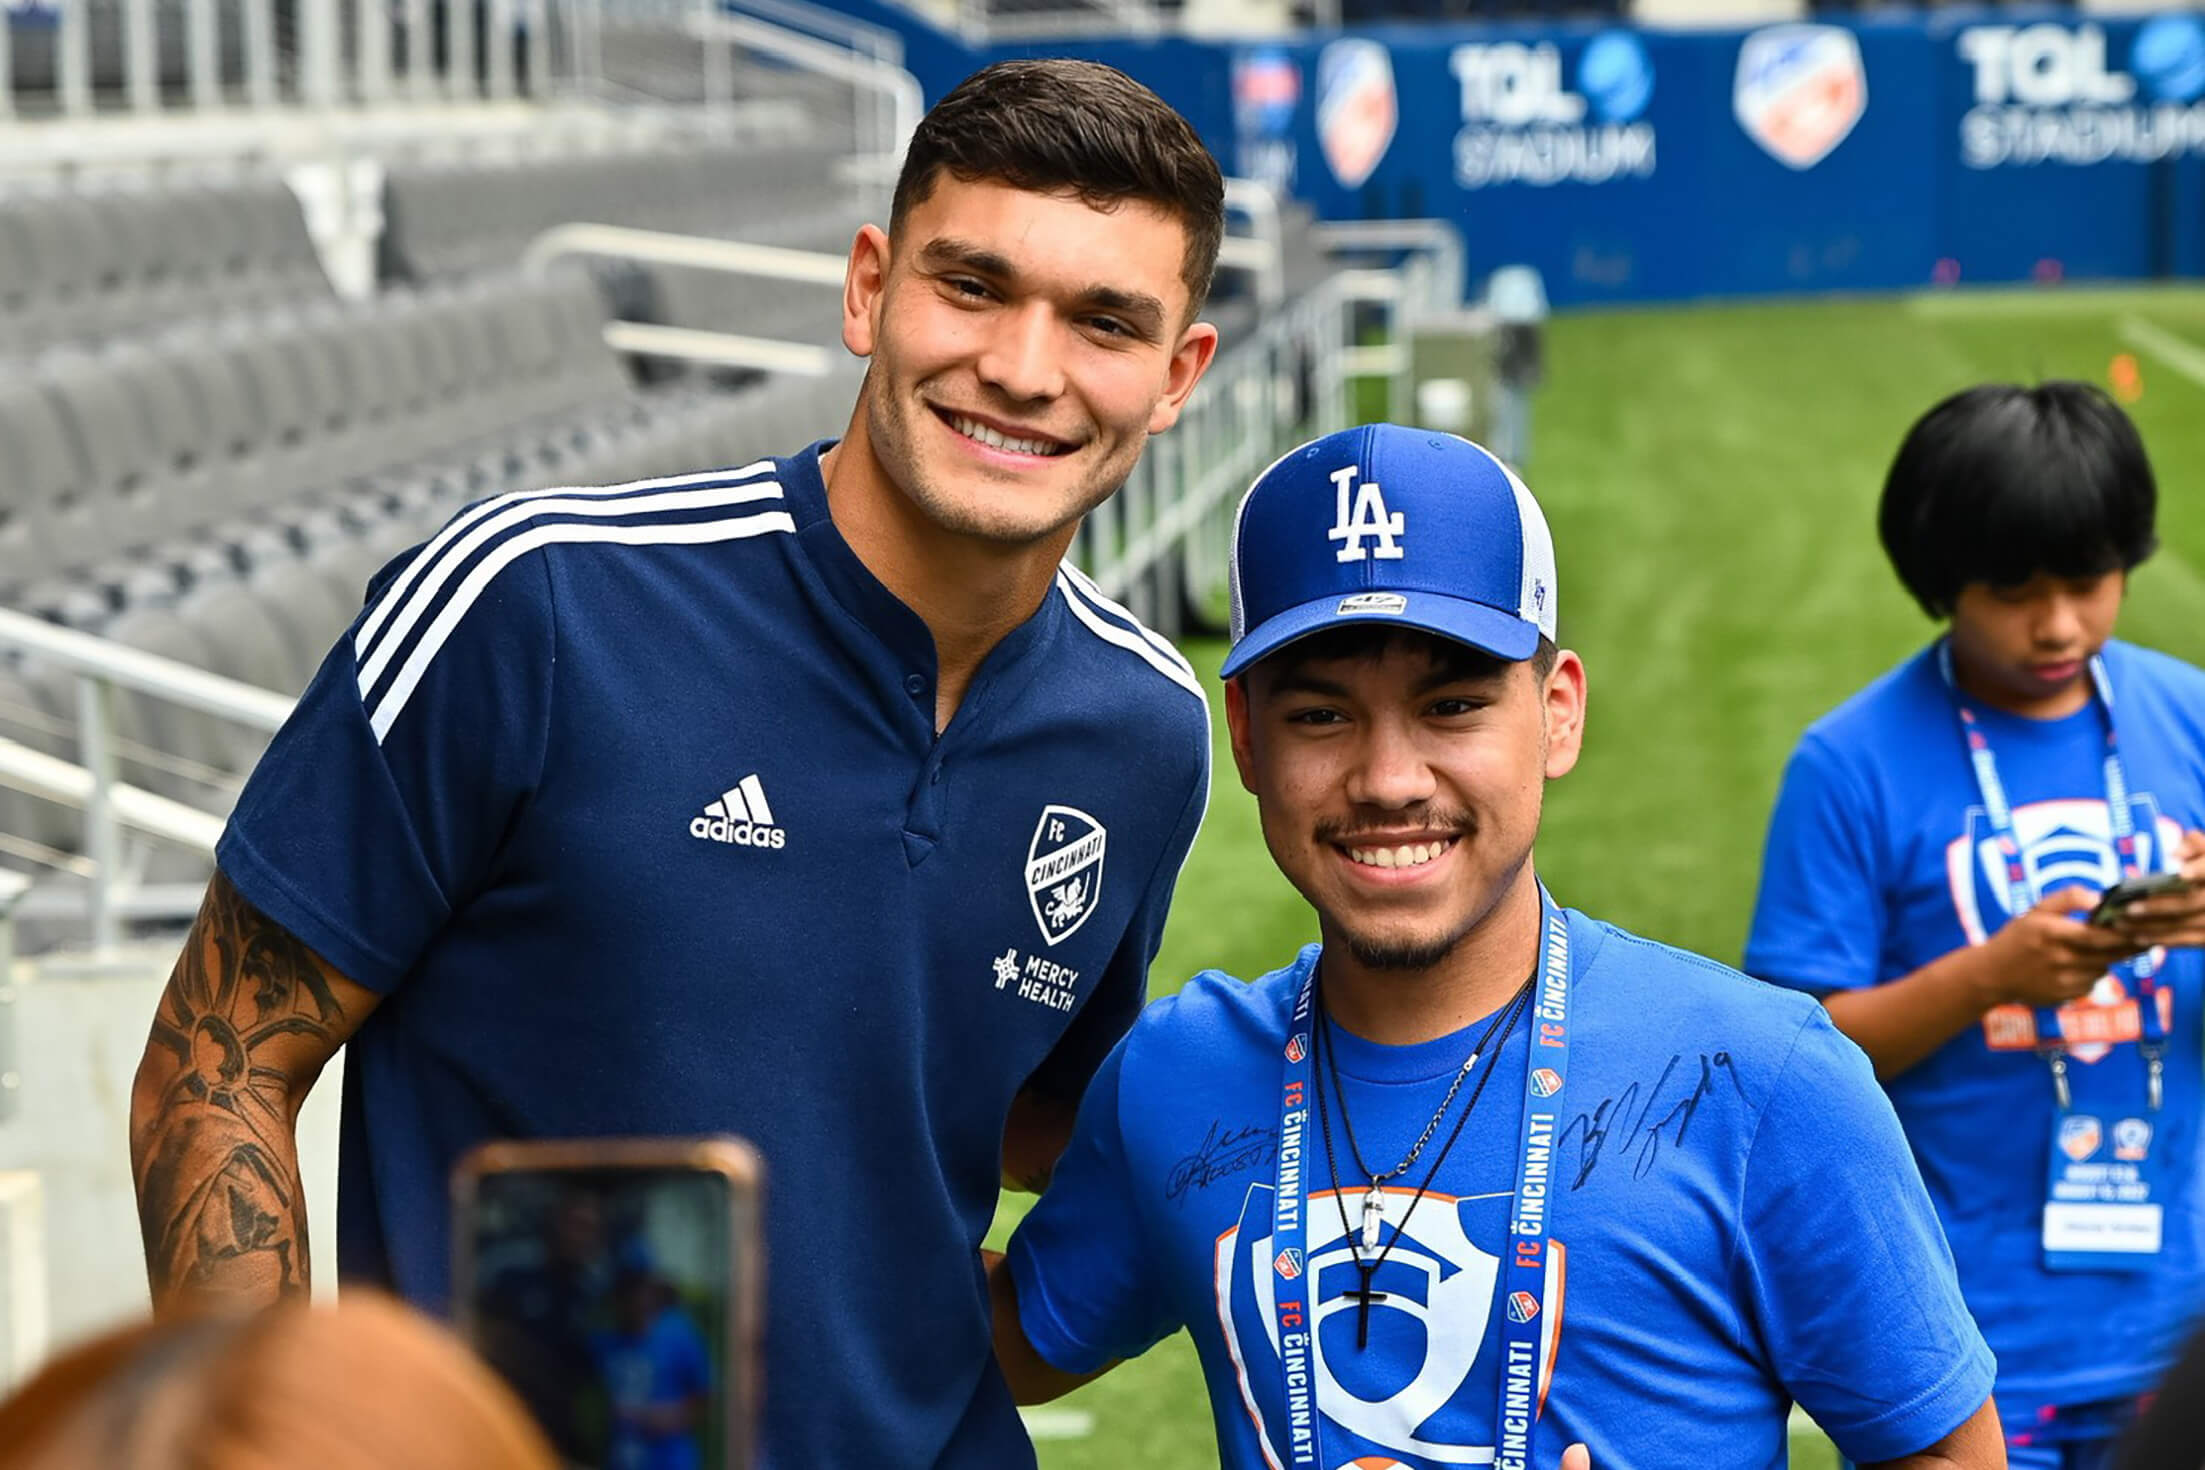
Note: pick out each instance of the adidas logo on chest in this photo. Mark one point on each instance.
(740, 815)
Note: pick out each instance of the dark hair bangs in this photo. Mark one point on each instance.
(1077, 127)
(1999, 484)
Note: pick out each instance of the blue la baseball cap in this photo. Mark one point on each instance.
(1386, 524)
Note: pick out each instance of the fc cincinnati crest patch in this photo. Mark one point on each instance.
(1288, 1264)
(1297, 1047)
(1546, 1082)
(1064, 868)
(1522, 1306)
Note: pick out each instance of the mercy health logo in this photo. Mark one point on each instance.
(2067, 843)
(2047, 93)
(1521, 125)
(1799, 92)
(740, 815)
(1416, 1393)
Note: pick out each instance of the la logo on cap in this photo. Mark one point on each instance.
(1368, 519)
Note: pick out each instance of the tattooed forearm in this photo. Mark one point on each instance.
(249, 1017)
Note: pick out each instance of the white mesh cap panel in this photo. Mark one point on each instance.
(1535, 600)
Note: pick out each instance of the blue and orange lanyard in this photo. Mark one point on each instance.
(2021, 895)
(1523, 1269)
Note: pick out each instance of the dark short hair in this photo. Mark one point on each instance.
(2001, 483)
(1372, 641)
(1079, 127)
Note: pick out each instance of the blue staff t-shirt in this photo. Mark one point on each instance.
(1881, 859)
(630, 803)
(1734, 1225)
(663, 1365)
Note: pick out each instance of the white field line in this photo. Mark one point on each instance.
(2185, 357)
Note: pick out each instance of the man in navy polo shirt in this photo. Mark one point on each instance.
(1476, 1179)
(812, 801)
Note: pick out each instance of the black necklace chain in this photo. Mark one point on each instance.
(1505, 1022)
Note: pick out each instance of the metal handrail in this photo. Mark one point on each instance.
(1437, 239)
(1263, 252)
(698, 252)
(659, 247)
(27, 770)
(906, 99)
(110, 805)
(146, 673)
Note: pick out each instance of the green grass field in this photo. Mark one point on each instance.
(1711, 476)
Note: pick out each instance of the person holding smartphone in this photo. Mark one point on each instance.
(1934, 873)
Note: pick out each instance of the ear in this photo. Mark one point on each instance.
(864, 288)
(1236, 723)
(1564, 695)
(1189, 361)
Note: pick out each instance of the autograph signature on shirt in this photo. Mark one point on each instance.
(1641, 1120)
(1223, 1152)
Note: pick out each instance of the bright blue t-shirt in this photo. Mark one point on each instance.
(1881, 859)
(1735, 1221)
(666, 1363)
(630, 803)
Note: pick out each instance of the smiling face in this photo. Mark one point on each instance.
(2026, 648)
(1400, 785)
(1024, 346)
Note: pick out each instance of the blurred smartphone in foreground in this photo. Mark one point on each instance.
(615, 1284)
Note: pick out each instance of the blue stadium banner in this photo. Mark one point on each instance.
(1969, 145)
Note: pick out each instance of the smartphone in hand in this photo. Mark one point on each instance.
(2130, 890)
(615, 1285)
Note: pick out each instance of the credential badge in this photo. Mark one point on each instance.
(1064, 867)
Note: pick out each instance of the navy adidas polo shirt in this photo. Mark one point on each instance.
(629, 802)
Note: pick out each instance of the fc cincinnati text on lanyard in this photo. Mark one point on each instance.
(1523, 1277)
(2022, 896)
(2100, 1213)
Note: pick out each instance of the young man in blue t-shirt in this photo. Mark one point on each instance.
(1935, 850)
(1476, 1179)
(813, 801)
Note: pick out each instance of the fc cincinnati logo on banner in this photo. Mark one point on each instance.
(1800, 90)
(1356, 108)
(1297, 1047)
(1522, 1306)
(1064, 867)
(1288, 1265)
(1546, 1082)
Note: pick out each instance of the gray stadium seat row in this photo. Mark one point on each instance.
(456, 219)
(225, 502)
(84, 265)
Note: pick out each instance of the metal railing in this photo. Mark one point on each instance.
(1416, 276)
(1160, 544)
(111, 806)
(698, 252)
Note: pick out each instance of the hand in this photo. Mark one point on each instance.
(2045, 957)
(1577, 1457)
(2175, 919)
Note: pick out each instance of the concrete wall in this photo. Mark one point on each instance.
(80, 1028)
